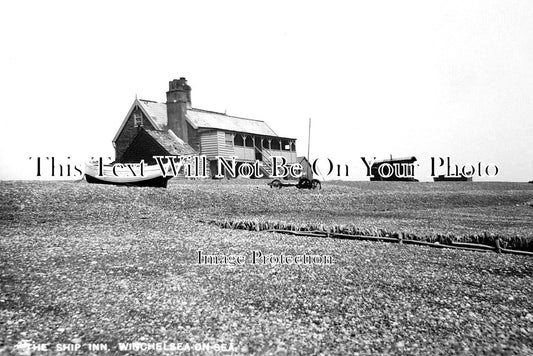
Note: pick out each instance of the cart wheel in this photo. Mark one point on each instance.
(276, 183)
(304, 183)
(315, 184)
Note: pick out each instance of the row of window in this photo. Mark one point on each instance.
(238, 140)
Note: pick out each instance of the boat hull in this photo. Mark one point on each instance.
(442, 178)
(125, 174)
(158, 182)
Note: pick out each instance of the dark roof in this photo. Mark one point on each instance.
(157, 112)
(214, 120)
(171, 143)
(199, 118)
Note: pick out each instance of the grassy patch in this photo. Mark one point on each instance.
(512, 243)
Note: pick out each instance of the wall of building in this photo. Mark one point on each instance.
(194, 138)
(224, 149)
(245, 153)
(290, 156)
(209, 144)
(128, 133)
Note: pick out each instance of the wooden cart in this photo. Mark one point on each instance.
(303, 183)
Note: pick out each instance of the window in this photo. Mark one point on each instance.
(238, 140)
(249, 142)
(137, 119)
(229, 139)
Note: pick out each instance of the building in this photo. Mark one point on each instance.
(176, 128)
(307, 168)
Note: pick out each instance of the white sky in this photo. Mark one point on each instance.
(422, 78)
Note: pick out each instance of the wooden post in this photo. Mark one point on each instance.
(309, 142)
(498, 247)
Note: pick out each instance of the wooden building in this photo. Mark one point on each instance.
(307, 168)
(175, 126)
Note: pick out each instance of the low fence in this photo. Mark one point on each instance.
(339, 232)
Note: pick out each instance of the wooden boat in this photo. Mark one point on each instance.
(138, 175)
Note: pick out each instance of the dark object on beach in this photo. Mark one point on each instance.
(138, 175)
(394, 170)
(531, 181)
(303, 183)
(443, 178)
(158, 182)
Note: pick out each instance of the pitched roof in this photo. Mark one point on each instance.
(156, 111)
(215, 120)
(300, 159)
(171, 143)
(199, 118)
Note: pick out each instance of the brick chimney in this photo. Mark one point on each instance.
(178, 101)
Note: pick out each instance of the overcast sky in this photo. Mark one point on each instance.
(422, 78)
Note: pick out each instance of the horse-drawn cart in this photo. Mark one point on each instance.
(303, 183)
